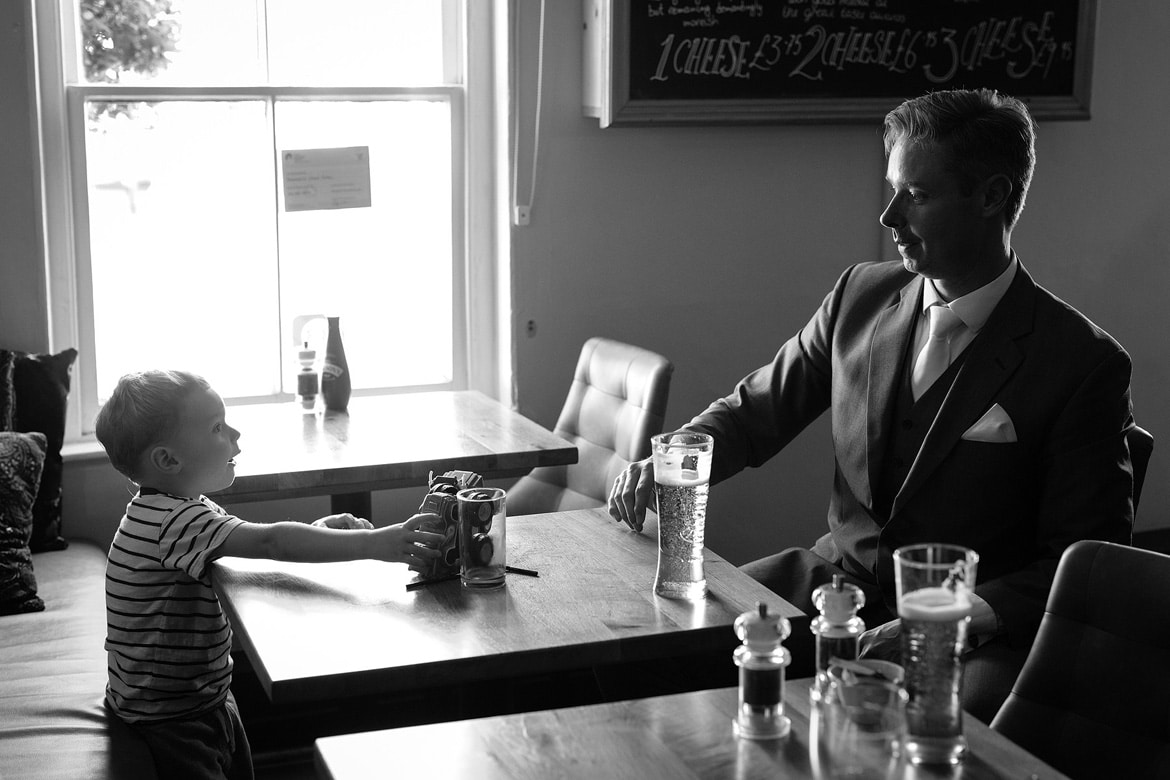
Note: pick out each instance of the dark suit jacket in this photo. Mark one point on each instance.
(1063, 381)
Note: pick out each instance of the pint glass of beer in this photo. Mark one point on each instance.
(934, 584)
(682, 473)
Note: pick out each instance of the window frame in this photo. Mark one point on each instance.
(481, 358)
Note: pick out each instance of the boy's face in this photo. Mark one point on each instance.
(204, 444)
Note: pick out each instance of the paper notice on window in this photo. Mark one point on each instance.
(326, 178)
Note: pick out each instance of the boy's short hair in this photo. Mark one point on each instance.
(143, 410)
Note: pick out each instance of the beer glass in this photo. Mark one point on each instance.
(682, 473)
(934, 584)
(482, 543)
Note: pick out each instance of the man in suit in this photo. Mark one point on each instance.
(1016, 450)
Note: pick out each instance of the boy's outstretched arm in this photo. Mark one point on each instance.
(291, 541)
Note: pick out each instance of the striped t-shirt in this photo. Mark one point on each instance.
(167, 639)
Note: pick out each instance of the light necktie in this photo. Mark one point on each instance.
(935, 356)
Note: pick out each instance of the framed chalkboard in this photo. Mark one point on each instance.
(787, 61)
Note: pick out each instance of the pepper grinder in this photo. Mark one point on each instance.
(761, 660)
(837, 629)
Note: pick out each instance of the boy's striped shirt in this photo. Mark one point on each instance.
(168, 641)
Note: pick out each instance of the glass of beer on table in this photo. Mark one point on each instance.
(682, 473)
(934, 584)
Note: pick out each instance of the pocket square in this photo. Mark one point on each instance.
(995, 426)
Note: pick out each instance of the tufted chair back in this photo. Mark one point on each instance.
(1092, 697)
(616, 403)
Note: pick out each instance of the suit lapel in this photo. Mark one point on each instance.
(991, 359)
(892, 334)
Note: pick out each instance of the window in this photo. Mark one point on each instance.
(226, 167)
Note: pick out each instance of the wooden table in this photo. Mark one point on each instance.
(331, 631)
(674, 737)
(382, 442)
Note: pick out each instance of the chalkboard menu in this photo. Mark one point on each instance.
(740, 61)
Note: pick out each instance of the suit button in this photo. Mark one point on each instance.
(907, 424)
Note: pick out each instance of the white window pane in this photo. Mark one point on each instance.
(171, 41)
(181, 239)
(386, 270)
(359, 42)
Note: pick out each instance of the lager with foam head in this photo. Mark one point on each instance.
(682, 473)
(934, 584)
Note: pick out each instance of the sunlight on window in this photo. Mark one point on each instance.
(193, 260)
(181, 243)
(386, 270)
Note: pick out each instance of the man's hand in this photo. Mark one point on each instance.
(883, 643)
(632, 493)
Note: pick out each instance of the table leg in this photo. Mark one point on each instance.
(357, 504)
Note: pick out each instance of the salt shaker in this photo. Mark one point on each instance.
(761, 660)
(837, 629)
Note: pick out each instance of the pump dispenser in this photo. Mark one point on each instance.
(761, 661)
(307, 380)
(837, 629)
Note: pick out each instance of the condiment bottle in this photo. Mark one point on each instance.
(307, 379)
(335, 380)
(837, 629)
(761, 660)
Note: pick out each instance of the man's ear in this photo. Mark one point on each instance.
(996, 192)
(162, 459)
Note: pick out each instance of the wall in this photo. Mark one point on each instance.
(713, 245)
(23, 311)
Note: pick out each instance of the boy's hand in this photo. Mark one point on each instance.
(407, 543)
(345, 521)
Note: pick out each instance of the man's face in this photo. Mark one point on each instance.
(940, 232)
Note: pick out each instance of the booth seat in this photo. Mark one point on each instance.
(53, 678)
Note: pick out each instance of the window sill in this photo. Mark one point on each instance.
(84, 450)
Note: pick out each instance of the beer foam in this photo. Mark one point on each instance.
(934, 604)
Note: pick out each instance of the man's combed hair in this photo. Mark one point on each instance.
(143, 410)
(986, 133)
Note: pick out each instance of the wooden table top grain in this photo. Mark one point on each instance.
(326, 631)
(684, 736)
(383, 442)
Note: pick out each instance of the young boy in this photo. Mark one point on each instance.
(169, 643)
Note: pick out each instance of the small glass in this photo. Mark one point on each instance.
(858, 730)
(934, 584)
(682, 474)
(482, 540)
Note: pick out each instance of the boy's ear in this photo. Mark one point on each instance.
(163, 460)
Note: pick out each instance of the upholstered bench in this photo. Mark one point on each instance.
(53, 679)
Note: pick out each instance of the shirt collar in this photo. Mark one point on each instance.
(976, 306)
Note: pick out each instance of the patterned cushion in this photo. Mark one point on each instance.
(22, 457)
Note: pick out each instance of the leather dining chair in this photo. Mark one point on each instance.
(616, 402)
(1092, 697)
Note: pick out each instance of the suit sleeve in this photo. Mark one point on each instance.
(773, 404)
(1085, 492)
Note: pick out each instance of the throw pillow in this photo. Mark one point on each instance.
(41, 385)
(22, 456)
